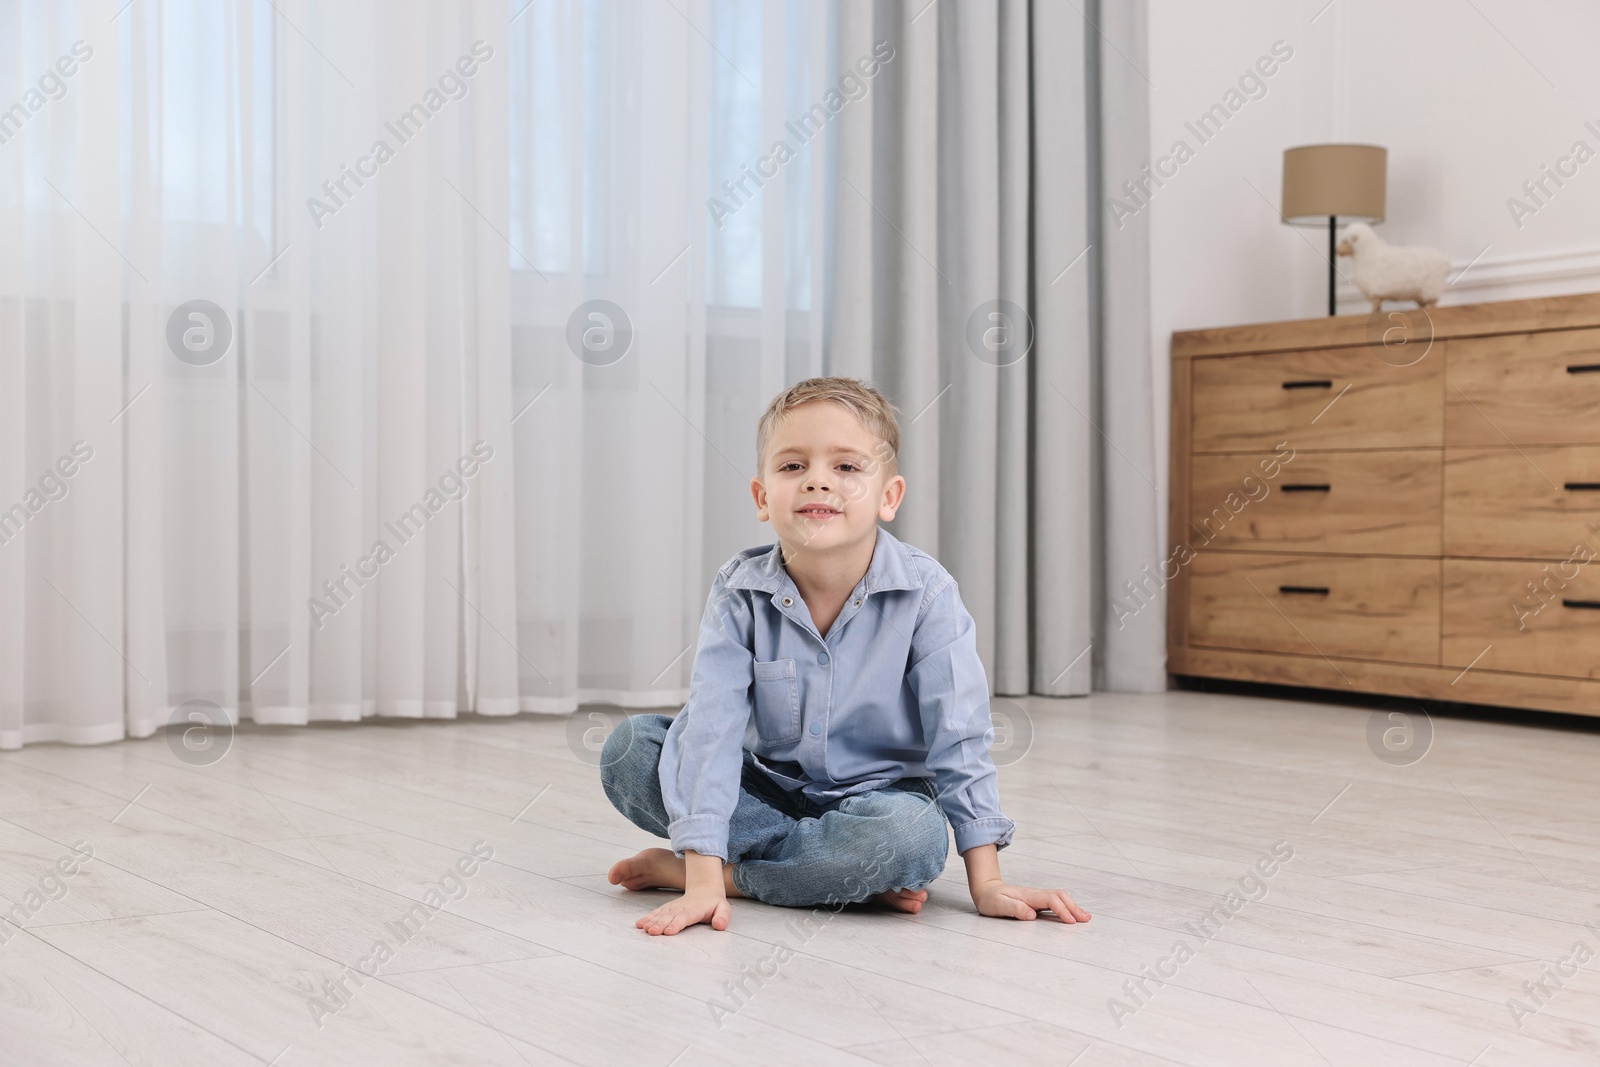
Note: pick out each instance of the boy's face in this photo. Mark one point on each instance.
(824, 482)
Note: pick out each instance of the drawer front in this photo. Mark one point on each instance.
(1370, 608)
(1524, 389)
(1335, 398)
(1533, 503)
(1356, 502)
(1532, 617)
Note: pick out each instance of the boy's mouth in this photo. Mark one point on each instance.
(819, 511)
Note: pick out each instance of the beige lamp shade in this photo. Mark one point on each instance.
(1343, 180)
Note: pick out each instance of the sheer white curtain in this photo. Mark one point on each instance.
(297, 413)
(654, 187)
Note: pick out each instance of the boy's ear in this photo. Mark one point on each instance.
(893, 494)
(758, 493)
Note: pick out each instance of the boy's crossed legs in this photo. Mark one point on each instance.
(783, 848)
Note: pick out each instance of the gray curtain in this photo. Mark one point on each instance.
(967, 208)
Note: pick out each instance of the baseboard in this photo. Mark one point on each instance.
(1493, 277)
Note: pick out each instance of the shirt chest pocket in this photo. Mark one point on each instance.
(777, 701)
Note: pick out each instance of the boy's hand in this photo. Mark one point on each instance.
(695, 906)
(1004, 901)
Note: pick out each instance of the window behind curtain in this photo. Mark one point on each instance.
(199, 79)
(212, 112)
(560, 135)
(548, 134)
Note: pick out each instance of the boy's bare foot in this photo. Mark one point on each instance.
(651, 869)
(910, 900)
(660, 868)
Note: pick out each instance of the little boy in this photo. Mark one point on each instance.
(834, 669)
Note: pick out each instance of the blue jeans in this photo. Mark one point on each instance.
(785, 848)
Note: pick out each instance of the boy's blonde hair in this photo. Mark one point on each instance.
(869, 406)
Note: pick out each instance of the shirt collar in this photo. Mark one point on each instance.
(890, 568)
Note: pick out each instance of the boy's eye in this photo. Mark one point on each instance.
(791, 463)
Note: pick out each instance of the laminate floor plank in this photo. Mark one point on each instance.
(1264, 923)
(1036, 1042)
(1144, 968)
(57, 1010)
(555, 796)
(1369, 1005)
(23, 788)
(264, 994)
(551, 849)
(323, 909)
(51, 883)
(1341, 847)
(1519, 895)
(1421, 905)
(147, 775)
(597, 924)
(594, 1015)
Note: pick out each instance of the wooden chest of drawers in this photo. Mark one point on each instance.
(1431, 523)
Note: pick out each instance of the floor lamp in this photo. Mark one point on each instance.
(1333, 183)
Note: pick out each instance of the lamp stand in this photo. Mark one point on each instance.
(1331, 257)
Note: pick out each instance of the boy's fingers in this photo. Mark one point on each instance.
(1076, 913)
(1062, 905)
(1052, 900)
(1072, 905)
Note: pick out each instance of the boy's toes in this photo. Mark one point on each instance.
(906, 900)
(628, 874)
(650, 869)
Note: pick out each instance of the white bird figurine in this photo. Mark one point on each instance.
(1390, 272)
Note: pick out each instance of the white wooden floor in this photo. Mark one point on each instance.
(227, 899)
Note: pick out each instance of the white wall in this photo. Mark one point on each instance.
(1469, 106)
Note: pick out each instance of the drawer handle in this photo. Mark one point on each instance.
(1314, 590)
(1324, 383)
(1593, 605)
(1307, 488)
(1572, 486)
(1583, 368)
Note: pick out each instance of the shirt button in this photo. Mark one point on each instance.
(816, 727)
(822, 657)
(787, 601)
(858, 603)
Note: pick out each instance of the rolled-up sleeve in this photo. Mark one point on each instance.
(952, 691)
(702, 757)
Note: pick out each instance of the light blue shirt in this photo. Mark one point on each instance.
(895, 690)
